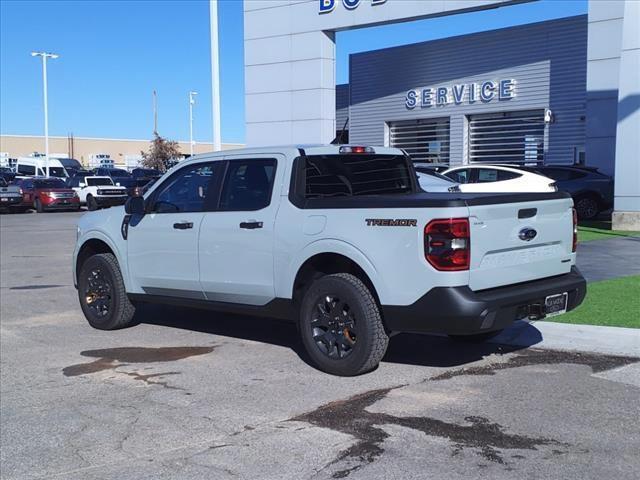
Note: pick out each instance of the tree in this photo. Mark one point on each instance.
(162, 154)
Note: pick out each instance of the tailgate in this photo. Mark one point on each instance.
(518, 242)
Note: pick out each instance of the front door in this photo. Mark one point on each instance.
(236, 241)
(163, 244)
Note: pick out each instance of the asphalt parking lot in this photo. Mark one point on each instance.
(192, 395)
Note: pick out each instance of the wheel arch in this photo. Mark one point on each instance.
(93, 244)
(336, 258)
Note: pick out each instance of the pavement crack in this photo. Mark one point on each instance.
(351, 416)
(598, 362)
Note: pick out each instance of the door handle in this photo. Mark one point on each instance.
(250, 225)
(183, 225)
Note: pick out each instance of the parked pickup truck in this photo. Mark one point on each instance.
(10, 197)
(337, 238)
(97, 192)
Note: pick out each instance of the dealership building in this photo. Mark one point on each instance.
(565, 91)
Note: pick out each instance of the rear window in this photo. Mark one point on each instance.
(486, 175)
(351, 175)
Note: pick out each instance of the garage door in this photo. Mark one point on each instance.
(509, 137)
(425, 140)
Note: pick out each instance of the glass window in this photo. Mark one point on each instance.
(487, 175)
(506, 175)
(356, 174)
(187, 190)
(95, 182)
(49, 183)
(459, 176)
(26, 169)
(248, 185)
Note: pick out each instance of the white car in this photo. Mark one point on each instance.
(430, 180)
(97, 192)
(339, 239)
(498, 179)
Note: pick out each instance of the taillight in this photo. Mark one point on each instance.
(447, 244)
(356, 149)
(575, 230)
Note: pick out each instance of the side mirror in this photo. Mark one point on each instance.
(134, 206)
(82, 184)
(118, 184)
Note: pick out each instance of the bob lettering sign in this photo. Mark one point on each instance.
(462, 93)
(327, 6)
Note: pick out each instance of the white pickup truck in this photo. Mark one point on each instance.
(96, 192)
(337, 238)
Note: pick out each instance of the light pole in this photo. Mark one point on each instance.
(192, 101)
(215, 74)
(44, 56)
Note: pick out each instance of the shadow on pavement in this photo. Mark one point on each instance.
(409, 349)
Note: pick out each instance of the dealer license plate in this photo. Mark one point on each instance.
(556, 304)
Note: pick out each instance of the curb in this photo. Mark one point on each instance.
(565, 336)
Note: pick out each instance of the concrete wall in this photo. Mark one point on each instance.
(290, 60)
(627, 186)
(24, 145)
(603, 60)
(547, 60)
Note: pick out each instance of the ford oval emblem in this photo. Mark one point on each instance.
(527, 234)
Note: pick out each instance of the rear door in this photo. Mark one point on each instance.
(236, 241)
(163, 244)
(519, 242)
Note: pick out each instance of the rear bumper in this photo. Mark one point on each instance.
(461, 311)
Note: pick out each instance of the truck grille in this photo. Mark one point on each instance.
(62, 195)
(111, 192)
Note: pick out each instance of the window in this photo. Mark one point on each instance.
(487, 175)
(186, 190)
(26, 169)
(426, 140)
(507, 137)
(357, 174)
(460, 176)
(248, 185)
(49, 183)
(97, 182)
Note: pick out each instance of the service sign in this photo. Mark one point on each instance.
(327, 6)
(458, 94)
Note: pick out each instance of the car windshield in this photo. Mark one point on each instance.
(96, 182)
(49, 183)
(146, 172)
(432, 173)
(57, 172)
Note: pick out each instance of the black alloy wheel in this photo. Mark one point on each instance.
(334, 327)
(340, 325)
(587, 208)
(98, 292)
(102, 293)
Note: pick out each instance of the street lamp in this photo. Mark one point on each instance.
(44, 56)
(192, 102)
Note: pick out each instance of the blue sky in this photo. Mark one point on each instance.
(114, 54)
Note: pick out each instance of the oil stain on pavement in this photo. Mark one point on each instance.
(112, 358)
(351, 416)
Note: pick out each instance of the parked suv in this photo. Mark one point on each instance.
(44, 194)
(97, 192)
(339, 239)
(592, 191)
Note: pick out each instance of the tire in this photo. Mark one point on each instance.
(37, 205)
(587, 207)
(476, 338)
(103, 297)
(92, 205)
(359, 341)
